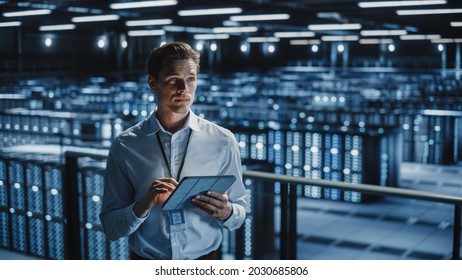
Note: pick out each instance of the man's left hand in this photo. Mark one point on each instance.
(214, 203)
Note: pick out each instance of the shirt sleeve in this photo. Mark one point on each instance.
(237, 193)
(117, 216)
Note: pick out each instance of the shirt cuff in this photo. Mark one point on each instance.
(233, 219)
(133, 219)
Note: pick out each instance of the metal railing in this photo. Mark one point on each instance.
(288, 206)
(288, 225)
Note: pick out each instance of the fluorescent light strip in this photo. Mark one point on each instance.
(95, 18)
(443, 40)
(419, 37)
(242, 29)
(57, 27)
(428, 12)
(383, 32)
(340, 38)
(262, 39)
(456, 23)
(175, 28)
(447, 40)
(142, 4)
(10, 24)
(346, 26)
(207, 12)
(304, 42)
(27, 13)
(382, 4)
(375, 41)
(211, 36)
(138, 33)
(260, 17)
(294, 34)
(148, 22)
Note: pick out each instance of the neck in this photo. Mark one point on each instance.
(171, 121)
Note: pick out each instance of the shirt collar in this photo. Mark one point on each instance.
(155, 125)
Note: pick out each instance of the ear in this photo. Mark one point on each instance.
(151, 82)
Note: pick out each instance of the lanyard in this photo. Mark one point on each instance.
(165, 156)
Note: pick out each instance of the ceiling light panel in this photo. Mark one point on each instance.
(447, 40)
(148, 22)
(211, 36)
(242, 29)
(304, 42)
(383, 32)
(428, 12)
(95, 18)
(383, 4)
(27, 13)
(340, 38)
(142, 4)
(420, 37)
(138, 33)
(260, 17)
(375, 41)
(346, 26)
(294, 34)
(57, 27)
(262, 39)
(207, 12)
(10, 24)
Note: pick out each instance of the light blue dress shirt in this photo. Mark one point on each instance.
(135, 160)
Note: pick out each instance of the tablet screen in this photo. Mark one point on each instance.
(194, 185)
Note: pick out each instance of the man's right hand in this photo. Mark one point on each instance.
(157, 194)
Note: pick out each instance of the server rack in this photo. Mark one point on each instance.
(349, 154)
(93, 242)
(256, 238)
(32, 207)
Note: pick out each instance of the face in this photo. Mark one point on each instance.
(176, 86)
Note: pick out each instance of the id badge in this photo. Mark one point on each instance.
(177, 221)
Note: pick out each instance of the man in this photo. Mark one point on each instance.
(147, 161)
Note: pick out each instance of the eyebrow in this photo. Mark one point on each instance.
(174, 72)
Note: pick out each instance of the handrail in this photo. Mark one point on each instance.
(288, 236)
(288, 202)
(365, 188)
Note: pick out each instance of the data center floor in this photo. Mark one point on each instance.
(392, 228)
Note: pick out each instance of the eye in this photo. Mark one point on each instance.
(171, 80)
(191, 79)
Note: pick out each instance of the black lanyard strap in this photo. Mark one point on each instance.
(159, 141)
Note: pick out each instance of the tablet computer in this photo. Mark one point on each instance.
(193, 185)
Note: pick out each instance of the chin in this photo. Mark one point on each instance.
(181, 110)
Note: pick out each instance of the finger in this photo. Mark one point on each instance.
(209, 204)
(218, 212)
(169, 180)
(207, 199)
(219, 196)
(165, 180)
(163, 185)
(204, 206)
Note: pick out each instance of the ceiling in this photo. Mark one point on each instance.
(302, 13)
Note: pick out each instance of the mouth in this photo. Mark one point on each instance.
(181, 100)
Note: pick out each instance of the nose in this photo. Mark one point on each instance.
(182, 86)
